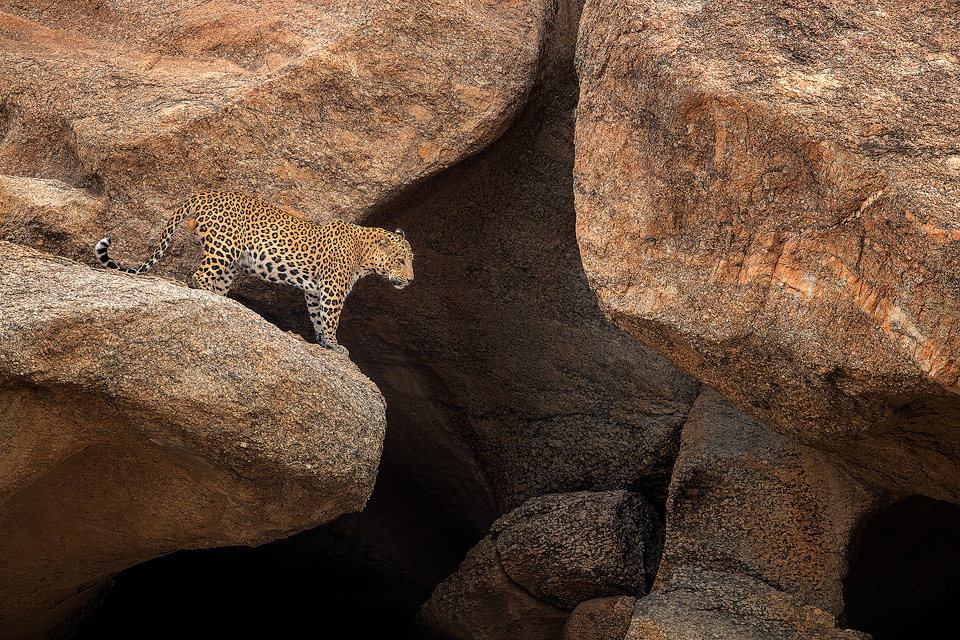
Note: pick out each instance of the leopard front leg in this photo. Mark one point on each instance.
(324, 309)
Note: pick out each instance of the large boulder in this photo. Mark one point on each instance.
(747, 500)
(140, 417)
(544, 558)
(503, 378)
(330, 110)
(480, 602)
(773, 206)
(570, 547)
(340, 111)
(328, 107)
(600, 619)
(50, 215)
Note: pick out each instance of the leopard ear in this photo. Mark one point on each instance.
(399, 232)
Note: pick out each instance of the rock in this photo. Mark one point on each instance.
(50, 215)
(600, 619)
(504, 380)
(711, 604)
(329, 109)
(773, 207)
(327, 112)
(480, 602)
(542, 559)
(141, 417)
(570, 547)
(747, 500)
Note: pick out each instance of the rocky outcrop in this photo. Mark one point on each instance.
(773, 206)
(50, 215)
(600, 619)
(541, 560)
(758, 540)
(503, 378)
(480, 601)
(140, 417)
(764, 193)
(697, 603)
(329, 109)
(493, 235)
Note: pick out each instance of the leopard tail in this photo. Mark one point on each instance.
(185, 210)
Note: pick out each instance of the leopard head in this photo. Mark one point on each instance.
(395, 261)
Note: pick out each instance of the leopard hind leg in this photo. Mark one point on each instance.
(222, 284)
(216, 272)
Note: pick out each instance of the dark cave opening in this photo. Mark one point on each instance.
(364, 575)
(905, 578)
(242, 592)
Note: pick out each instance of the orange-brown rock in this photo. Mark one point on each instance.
(768, 195)
(503, 378)
(600, 619)
(330, 108)
(773, 213)
(747, 500)
(50, 215)
(138, 418)
(698, 603)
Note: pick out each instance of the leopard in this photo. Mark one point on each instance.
(238, 232)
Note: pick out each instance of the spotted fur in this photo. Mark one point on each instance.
(325, 261)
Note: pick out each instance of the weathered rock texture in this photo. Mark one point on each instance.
(50, 215)
(767, 194)
(503, 378)
(138, 418)
(327, 106)
(541, 560)
(334, 110)
(746, 500)
(570, 547)
(480, 602)
(708, 604)
(600, 619)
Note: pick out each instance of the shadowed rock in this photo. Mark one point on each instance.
(541, 560)
(699, 603)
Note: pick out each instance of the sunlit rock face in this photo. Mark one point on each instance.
(767, 195)
(140, 417)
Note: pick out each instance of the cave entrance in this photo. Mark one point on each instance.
(905, 578)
